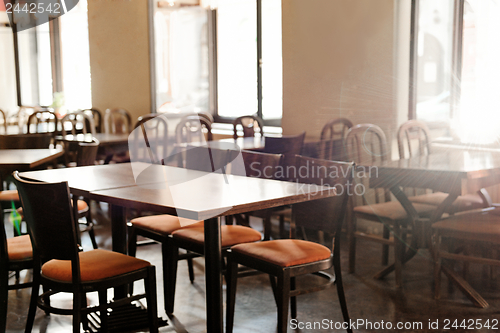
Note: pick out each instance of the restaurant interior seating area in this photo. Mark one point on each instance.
(249, 166)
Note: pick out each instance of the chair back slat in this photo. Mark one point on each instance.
(323, 214)
(48, 213)
(117, 121)
(289, 145)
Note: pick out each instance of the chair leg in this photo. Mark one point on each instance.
(150, 288)
(338, 281)
(437, 269)
(398, 255)
(170, 257)
(293, 299)
(282, 300)
(33, 302)
(132, 249)
(282, 226)
(103, 309)
(77, 313)
(385, 247)
(85, 321)
(351, 228)
(231, 284)
(4, 293)
(190, 270)
(267, 227)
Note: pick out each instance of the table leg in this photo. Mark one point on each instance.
(119, 237)
(213, 269)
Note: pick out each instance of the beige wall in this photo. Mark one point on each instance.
(119, 55)
(338, 61)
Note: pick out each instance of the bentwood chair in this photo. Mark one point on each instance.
(414, 140)
(332, 138)
(286, 145)
(150, 139)
(117, 121)
(97, 116)
(250, 125)
(193, 128)
(15, 255)
(77, 122)
(4, 121)
(42, 122)
(470, 236)
(366, 145)
(59, 266)
(286, 259)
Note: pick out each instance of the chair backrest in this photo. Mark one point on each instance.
(150, 139)
(365, 144)
(97, 116)
(206, 159)
(4, 119)
(207, 116)
(413, 139)
(291, 144)
(332, 138)
(42, 122)
(193, 129)
(26, 141)
(324, 214)
(117, 121)
(249, 124)
(77, 122)
(256, 164)
(87, 153)
(48, 213)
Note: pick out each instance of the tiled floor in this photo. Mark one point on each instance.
(370, 300)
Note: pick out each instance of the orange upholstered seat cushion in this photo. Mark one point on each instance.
(285, 252)
(82, 205)
(464, 202)
(230, 235)
(164, 224)
(9, 195)
(94, 265)
(393, 210)
(19, 248)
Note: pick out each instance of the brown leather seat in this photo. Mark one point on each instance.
(392, 211)
(165, 224)
(94, 265)
(285, 252)
(19, 248)
(9, 195)
(230, 235)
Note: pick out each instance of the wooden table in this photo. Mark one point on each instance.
(456, 172)
(183, 192)
(25, 159)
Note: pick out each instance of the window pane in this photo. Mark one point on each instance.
(181, 60)
(75, 58)
(478, 119)
(8, 98)
(434, 67)
(272, 69)
(237, 57)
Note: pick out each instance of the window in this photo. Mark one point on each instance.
(456, 68)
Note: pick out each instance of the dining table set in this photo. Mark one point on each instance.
(162, 188)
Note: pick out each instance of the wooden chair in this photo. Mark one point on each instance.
(97, 116)
(15, 255)
(117, 121)
(42, 121)
(286, 145)
(150, 139)
(474, 233)
(249, 125)
(332, 139)
(4, 121)
(193, 129)
(366, 145)
(26, 141)
(79, 122)
(414, 140)
(285, 259)
(59, 266)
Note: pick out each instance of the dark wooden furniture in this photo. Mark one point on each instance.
(77, 122)
(250, 126)
(285, 259)
(149, 139)
(332, 139)
(287, 145)
(25, 141)
(117, 121)
(193, 129)
(44, 122)
(15, 255)
(414, 140)
(456, 172)
(59, 266)
(97, 116)
(121, 186)
(366, 145)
